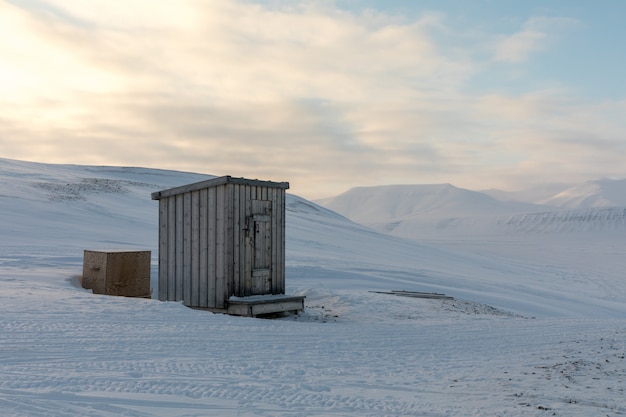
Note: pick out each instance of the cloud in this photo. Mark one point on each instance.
(537, 35)
(301, 92)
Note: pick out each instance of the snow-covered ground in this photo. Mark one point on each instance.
(537, 326)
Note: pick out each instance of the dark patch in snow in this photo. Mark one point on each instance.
(468, 307)
(76, 191)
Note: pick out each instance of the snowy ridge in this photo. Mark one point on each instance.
(393, 202)
(610, 220)
(598, 220)
(108, 205)
(600, 193)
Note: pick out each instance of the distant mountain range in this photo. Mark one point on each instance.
(392, 202)
(82, 194)
(443, 210)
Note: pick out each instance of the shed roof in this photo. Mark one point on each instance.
(214, 182)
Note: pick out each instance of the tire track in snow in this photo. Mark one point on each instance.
(129, 357)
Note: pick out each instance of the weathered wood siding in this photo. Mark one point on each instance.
(222, 240)
(192, 236)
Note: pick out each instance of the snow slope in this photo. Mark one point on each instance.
(535, 328)
(599, 193)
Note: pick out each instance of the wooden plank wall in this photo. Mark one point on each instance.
(192, 248)
(204, 254)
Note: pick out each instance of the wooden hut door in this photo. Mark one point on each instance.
(261, 247)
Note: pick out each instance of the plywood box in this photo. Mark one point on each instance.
(123, 273)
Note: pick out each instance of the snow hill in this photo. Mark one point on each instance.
(448, 212)
(537, 325)
(599, 193)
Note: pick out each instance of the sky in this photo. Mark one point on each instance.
(327, 95)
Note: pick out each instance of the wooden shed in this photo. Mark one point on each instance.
(222, 246)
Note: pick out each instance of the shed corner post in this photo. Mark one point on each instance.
(229, 244)
(163, 249)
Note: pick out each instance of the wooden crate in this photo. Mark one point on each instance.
(123, 273)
